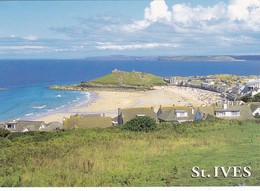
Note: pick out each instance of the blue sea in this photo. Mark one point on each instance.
(26, 94)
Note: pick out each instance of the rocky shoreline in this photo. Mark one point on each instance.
(90, 86)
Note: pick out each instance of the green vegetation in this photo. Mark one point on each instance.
(196, 82)
(141, 123)
(248, 98)
(130, 78)
(256, 98)
(115, 157)
(227, 78)
(4, 132)
(118, 80)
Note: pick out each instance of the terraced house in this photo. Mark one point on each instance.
(177, 114)
(25, 126)
(180, 114)
(125, 115)
(87, 121)
(234, 112)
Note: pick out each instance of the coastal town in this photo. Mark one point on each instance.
(230, 87)
(177, 99)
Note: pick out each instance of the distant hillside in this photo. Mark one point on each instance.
(217, 58)
(122, 58)
(228, 58)
(248, 57)
(119, 80)
(199, 58)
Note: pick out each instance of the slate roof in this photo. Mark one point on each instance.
(26, 125)
(245, 112)
(206, 112)
(167, 108)
(169, 115)
(130, 113)
(89, 122)
(55, 125)
(86, 115)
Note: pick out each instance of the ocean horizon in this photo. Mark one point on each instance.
(24, 92)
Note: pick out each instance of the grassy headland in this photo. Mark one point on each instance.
(123, 158)
(118, 80)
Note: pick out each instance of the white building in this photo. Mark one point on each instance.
(254, 92)
(252, 85)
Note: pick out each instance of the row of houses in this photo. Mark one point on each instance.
(230, 90)
(25, 126)
(177, 114)
(180, 114)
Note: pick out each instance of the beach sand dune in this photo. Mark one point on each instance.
(109, 101)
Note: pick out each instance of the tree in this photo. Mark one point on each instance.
(4, 132)
(141, 123)
(246, 98)
(256, 98)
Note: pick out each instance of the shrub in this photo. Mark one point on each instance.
(4, 143)
(141, 123)
(4, 132)
(256, 98)
(246, 98)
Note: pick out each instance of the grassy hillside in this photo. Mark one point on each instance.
(118, 80)
(122, 158)
(130, 78)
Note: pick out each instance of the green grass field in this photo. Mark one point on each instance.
(130, 78)
(123, 158)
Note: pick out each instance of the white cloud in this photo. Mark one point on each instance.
(247, 11)
(157, 11)
(137, 25)
(182, 13)
(134, 46)
(24, 47)
(236, 13)
(103, 43)
(30, 37)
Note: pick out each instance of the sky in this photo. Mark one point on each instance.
(80, 29)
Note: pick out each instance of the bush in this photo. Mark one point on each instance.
(246, 98)
(4, 132)
(141, 123)
(34, 136)
(256, 98)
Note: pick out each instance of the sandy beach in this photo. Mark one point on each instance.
(108, 102)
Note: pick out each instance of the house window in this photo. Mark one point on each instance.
(182, 114)
(220, 113)
(235, 113)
